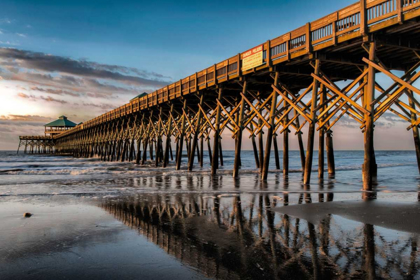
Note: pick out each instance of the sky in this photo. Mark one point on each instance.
(83, 58)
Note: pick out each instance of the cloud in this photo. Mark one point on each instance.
(21, 35)
(9, 43)
(24, 118)
(101, 106)
(82, 68)
(35, 98)
(50, 99)
(55, 91)
(25, 96)
(348, 122)
(5, 20)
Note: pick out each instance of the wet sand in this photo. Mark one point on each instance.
(198, 236)
(392, 215)
(94, 220)
(71, 238)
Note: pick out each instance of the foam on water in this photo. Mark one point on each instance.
(53, 175)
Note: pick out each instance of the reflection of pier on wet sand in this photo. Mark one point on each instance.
(240, 236)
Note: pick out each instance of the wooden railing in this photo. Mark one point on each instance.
(351, 22)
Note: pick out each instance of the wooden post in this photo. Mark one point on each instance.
(138, 155)
(118, 149)
(399, 11)
(195, 138)
(254, 148)
(158, 138)
(198, 152)
(17, 152)
(321, 137)
(270, 130)
(176, 148)
(311, 132)
(209, 149)
(276, 152)
(202, 150)
(188, 143)
(131, 157)
(124, 153)
(145, 143)
(215, 163)
(286, 143)
(238, 147)
(363, 17)
(330, 153)
(170, 151)
(151, 142)
(415, 128)
(168, 138)
(181, 139)
(368, 164)
(220, 151)
(368, 135)
(261, 145)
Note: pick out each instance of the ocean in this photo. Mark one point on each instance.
(107, 220)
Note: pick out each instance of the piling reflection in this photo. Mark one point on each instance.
(229, 236)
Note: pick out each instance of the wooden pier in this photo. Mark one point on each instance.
(37, 144)
(272, 90)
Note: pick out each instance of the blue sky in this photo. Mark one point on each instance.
(174, 38)
(83, 58)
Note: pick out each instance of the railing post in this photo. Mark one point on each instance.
(399, 11)
(268, 54)
(334, 30)
(363, 17)
(308, 38)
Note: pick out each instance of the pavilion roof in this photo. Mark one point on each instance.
(62, 121)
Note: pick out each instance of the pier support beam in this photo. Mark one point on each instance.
(276, 152)
(181, 139)
(168, 138)
(215, 162)
(254, 148)
(330, 154)
(195, 137)
(238, 147)
(270, 130)
(415, 129)
(321, 137)
(311, 132)
(261, 145)
(369, 164)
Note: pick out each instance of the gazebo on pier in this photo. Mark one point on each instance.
(58, 126)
